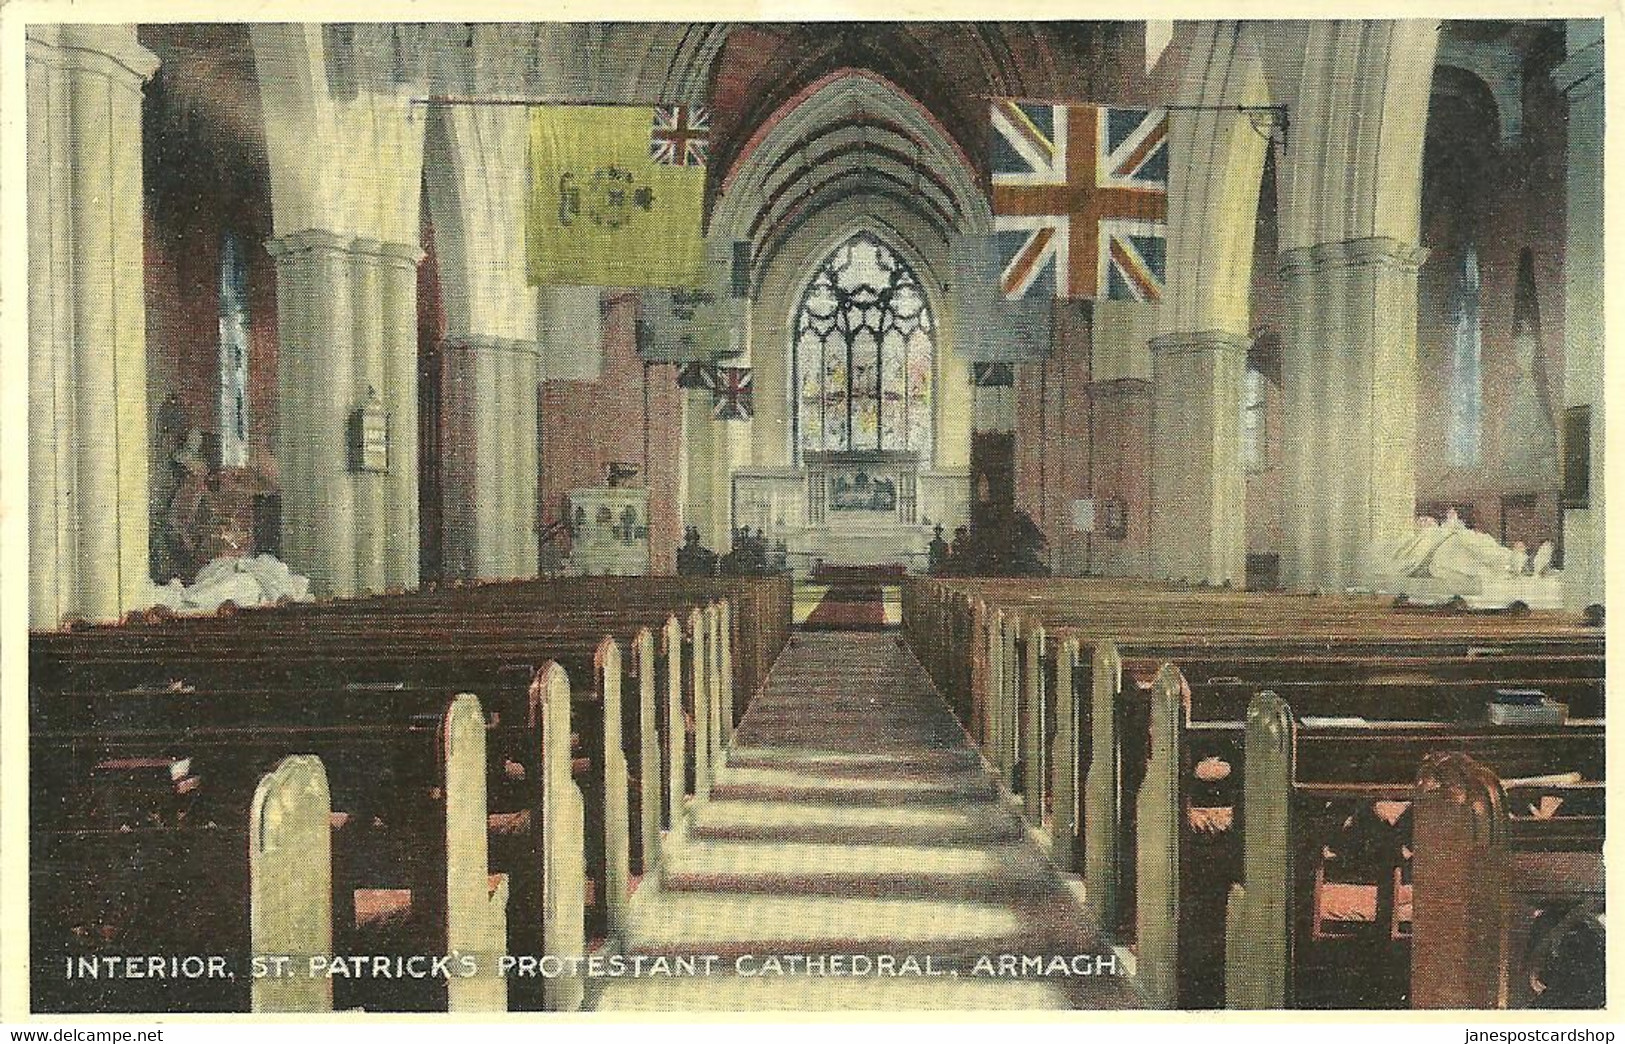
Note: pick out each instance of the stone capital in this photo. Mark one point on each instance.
(109, 50)
(321, 240)
(1193, 342)
(1352, 253)
(400, 255)
(1120, 388)
(490, 343)
(308, 241)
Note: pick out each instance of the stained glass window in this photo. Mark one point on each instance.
(1252, 420)
(862, 354)
(233, 354)
(1466, 366)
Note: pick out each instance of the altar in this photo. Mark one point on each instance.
(869, 507)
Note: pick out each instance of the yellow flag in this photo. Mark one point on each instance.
(617, 195)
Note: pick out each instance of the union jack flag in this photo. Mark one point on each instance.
(731, 394)
(681, 136)
(1080, 200)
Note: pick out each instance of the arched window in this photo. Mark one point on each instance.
(1466, 366)
(233, 354)
(1262, 380)
(862, 354)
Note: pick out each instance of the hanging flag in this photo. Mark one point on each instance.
(681, 136)
(993, 374)
(702, 375)
(572, 333)
(732, 399)
(617, 195)
(988, 326)
(1080, 200)
(680, 324)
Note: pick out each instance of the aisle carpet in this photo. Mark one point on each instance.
(849, 607)
(854, 822)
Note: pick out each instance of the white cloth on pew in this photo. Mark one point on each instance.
(1437, 561)
(260, 580)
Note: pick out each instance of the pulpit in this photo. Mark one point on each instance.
(609, 532)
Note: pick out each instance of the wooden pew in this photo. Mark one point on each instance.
(516, 766)
(290, 873)
(1180, 758)
(1507, 890)
(411, 637)
(758, 618)
(376, 667)
(1099, 742)
(279, 876)
(1320, 919)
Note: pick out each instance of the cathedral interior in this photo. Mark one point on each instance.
(287, 344)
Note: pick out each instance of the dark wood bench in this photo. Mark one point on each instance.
(321, 670)
(1507, 889)
(1322, 918)
(207, 854)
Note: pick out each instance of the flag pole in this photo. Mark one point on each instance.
(540, 103)
(1280, 113)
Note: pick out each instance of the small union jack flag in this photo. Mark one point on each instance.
(681, 136)
(1080, 200)
(732, 398)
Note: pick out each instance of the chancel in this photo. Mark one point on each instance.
(904, 516)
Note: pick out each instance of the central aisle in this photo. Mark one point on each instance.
(854, 820)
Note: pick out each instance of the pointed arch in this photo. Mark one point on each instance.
(852, 133)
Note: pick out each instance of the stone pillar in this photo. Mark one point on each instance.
(491, 458)
(1349, 384)
(398, 305)
(368, 361)
(1198, 487)
(1580, 77)
(87, 444)
(1120, 421)
(345, 309)
(709, 494)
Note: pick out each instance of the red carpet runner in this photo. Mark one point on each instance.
(849, 607)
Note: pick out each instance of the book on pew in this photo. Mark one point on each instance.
(1526, 707)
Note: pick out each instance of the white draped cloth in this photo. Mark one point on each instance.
(260, 580)
(1451, 558)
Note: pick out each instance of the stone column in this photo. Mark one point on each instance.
(344, 309)
(1349, 384)
(710, 472)
(1120, 420)
(398, 306)
(315, 384)
(1580, 77)
(491, 510)
(87, 461)
(1198, 487)
(368, 361)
